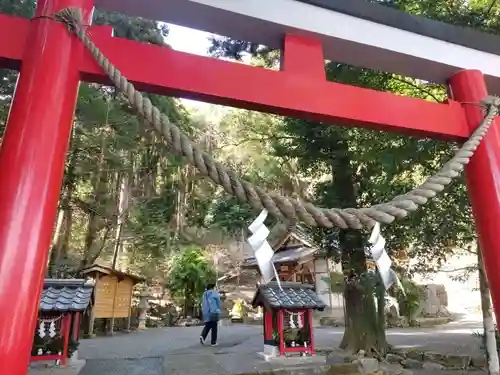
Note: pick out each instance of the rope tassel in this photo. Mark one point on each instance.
(277, 205)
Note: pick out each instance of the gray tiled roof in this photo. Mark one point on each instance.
(289, 255)
(66, 295)
(288, 252)
(293, 295)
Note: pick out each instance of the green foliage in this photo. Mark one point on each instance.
(381, 165)
(245, 141)
(133, 28)
(148, 225)
(276, 337)
(409, 301)
(19, 8)
(229, 215)
(336, 281)
(124, 195)
(189, 273)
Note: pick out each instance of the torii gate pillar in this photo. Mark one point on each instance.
(483, 176)
(31, 169)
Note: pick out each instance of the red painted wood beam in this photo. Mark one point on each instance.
(291, 92)
(15, 34)
(165, 71)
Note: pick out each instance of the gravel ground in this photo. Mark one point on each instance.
(176, 351)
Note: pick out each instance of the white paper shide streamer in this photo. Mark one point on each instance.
(262, 250)
(378, 253)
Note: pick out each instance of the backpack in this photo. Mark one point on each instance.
(213, 310)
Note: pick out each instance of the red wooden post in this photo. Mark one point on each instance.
(281, 331)
(66, 330)
(483, 176)
(31, 169)
(268, 324)
(293, 61)
(311, 333)
(76, 326)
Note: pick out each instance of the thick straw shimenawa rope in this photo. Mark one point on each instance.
(278, 205)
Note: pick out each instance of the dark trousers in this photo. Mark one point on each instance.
(210, 327)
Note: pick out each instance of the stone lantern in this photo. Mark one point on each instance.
(143, 307)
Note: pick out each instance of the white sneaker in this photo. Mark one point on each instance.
(202, 340)
(213, 344)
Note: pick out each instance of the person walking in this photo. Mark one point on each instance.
(211, 310)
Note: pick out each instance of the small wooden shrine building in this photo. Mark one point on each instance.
(298, 259)
(113, 294)
(62, 304)
(288, 326)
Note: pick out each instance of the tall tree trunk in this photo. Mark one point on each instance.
(149, 165)
(100, 185)
(123, 202)
(90, 238)
(488, 324)
(54, 251)
(62, 233)
(364, 330)
(364, 326)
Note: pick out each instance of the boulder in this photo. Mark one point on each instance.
(456, 361)
(434, 357)
(342, 369)
(393, 369)
(411, 363)
(434, 301)
(397, 350)
(432, 366)
(350, 358)
(368, 365)
(415, 354)
(394, 358)
(479, 361)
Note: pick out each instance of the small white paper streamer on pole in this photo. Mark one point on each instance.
(259, 221)
(378, 253)
(262, 250)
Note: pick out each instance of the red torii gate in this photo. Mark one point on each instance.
(52, 62)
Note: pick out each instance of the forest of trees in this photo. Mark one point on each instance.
(127, 201)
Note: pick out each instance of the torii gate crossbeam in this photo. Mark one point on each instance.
(52, 63)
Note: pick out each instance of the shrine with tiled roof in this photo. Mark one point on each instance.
(63, 302)
(288, 320)
(298, 258)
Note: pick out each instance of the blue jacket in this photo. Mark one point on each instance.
(210, 304)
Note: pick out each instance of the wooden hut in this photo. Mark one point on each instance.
(113, 294)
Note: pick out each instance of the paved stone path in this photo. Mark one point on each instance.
(176, 351)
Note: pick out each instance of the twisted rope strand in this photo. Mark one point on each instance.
(278, 205)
